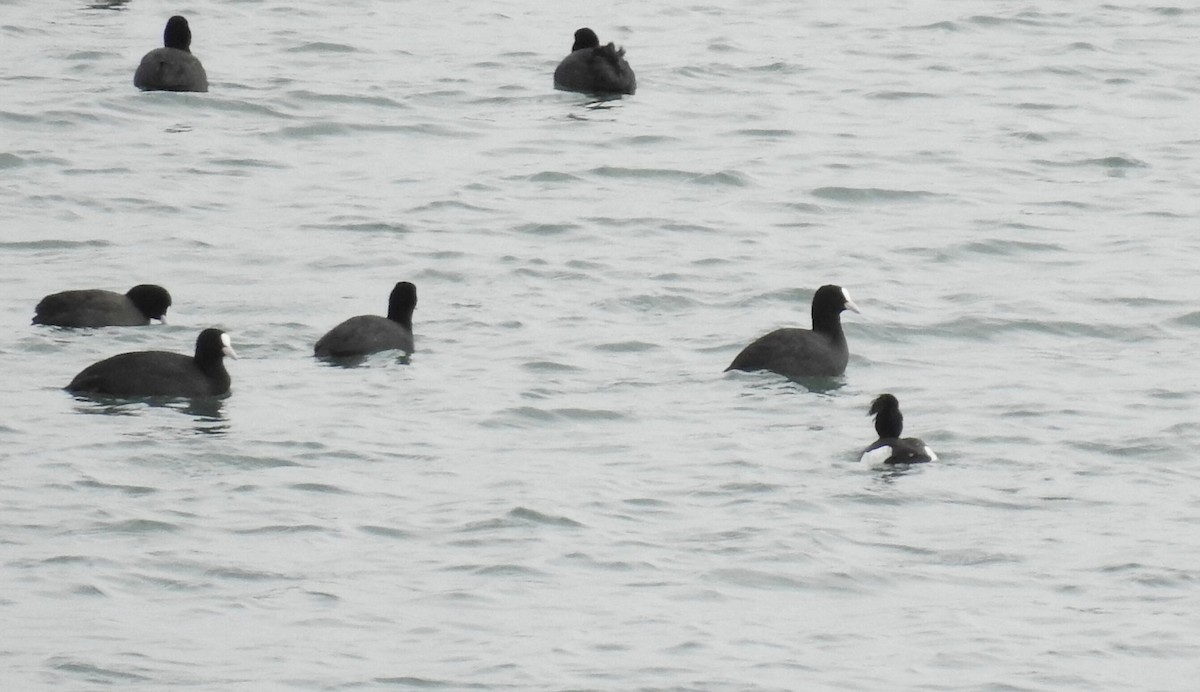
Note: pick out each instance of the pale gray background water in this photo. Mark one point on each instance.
(562, 490)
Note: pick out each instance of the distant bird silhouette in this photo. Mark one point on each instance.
(172, 67)
(890, 448)
(595, 69)
(797, 353)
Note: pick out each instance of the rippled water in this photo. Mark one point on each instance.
(562, 490)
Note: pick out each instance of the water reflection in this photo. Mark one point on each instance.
(816, 385)
(888, 474)
(208, 414)
(107, 5)
(359, 361)
(596, 104)
(821, 385)
(602, 102)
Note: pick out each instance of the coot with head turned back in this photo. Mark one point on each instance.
(593, 68)
(172, 67)
(890, 448)
(797, 353)
(367, 334)
(99, 308)
(160, 373)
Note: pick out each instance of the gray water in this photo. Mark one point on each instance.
(562, 490)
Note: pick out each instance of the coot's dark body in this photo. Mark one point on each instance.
(595, 69)
(367, 334)
(172, 67)
(99, 308)
(799, 353)
(160, 373)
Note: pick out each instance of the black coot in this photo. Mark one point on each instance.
(890, 448)
(798, 353)
(160, 373)
(366, 334)
(593, 68)
(172, 67)
(100, 308)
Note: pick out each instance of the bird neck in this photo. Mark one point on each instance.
(404, 320)
(889, 423)
(827, 324)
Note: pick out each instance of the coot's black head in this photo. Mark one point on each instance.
(178, 34)
(585, 38)
(827, 306)
(402, 303)
(889, 422)
(212, 346)
(152, 300)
